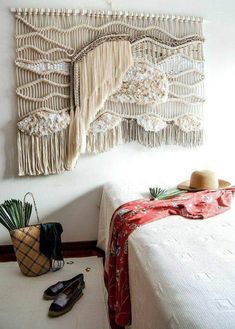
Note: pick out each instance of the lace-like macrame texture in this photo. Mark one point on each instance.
(159, 102)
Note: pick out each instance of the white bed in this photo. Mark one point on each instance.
(181, 272)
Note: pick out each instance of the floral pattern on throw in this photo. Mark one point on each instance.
(143, 84)
(44, 123)
(196, 205)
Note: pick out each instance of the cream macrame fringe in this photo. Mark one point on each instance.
(129, 131)
(101, 72)
(102, 142)
(37, 155)
(171, 135)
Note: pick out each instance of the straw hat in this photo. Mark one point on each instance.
(203, 180)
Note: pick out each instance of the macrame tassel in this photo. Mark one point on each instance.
(171, 135)
(101, 72)
(42, 155)
(129, 131)
(102, 142)
(73, 141)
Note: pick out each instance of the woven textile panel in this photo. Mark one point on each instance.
(88, 81)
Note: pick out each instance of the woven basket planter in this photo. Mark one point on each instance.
(26, 243)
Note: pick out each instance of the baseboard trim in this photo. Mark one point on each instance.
(69, 249)
(6, 249)
(81, 245)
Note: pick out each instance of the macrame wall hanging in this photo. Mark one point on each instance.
(87, 81)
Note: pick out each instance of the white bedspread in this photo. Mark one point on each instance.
(182, 273)
(114, 195)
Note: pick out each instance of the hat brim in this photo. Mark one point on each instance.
(186, 186)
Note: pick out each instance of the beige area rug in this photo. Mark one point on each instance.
(22, 305)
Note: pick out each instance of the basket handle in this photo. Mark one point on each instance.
(34, 203)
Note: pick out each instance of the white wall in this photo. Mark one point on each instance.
(72, 197)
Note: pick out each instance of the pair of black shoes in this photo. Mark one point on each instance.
(65, 294)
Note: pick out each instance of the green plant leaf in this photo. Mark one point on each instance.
(28, 212)
(13, 214)
(162, 194)
(5, 219)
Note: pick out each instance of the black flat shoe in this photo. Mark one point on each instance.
(53, 291)
(65, 300)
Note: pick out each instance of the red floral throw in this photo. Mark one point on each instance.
(196, 205)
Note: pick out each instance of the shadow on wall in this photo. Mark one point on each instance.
(79, 218)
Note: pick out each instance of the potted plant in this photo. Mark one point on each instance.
(15, 216)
